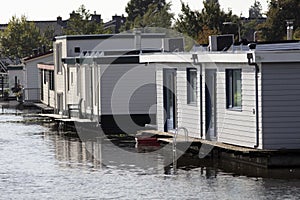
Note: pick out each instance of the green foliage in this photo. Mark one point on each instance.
(19, 38)
(80, 23)
(274, 28)
(189, 22)
(142, 13)
(199, 25)
(253, 23)
(155, 18)
(297, 34)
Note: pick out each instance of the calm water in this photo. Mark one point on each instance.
(38, 163)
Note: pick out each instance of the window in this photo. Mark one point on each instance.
(233, 88)
(45, 76)
(191, 86)
(51, 80)
(77, 49)
(68, 79)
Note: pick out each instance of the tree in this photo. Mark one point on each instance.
(274, 28)
(80, 23)
(251, 24)
(255, 10)
(155, 18)
(189, 22)
(143, 13)
(20, 38)
(209, 21)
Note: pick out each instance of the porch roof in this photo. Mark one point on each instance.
(45, 66)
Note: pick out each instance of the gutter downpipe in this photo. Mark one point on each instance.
(201, 103)
(92, 91)
(251, 63)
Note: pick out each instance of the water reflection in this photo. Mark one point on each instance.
(40, 163)
(96, 154)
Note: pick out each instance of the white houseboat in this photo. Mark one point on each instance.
(248, 98)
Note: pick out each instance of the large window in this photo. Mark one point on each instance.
(233, 88)
(191, 86)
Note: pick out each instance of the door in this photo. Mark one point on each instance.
(210, 104)
(169, 93)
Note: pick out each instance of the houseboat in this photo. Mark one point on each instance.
(233, 95)
(100, 77)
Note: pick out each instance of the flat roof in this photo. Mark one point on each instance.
(107, 36)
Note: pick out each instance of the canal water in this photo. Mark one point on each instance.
(37, 162)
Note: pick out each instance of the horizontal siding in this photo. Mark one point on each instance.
(281, 105)
(160, 105)
(188, 115)
(236, 127)
(127, 89)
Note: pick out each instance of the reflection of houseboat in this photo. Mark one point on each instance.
(248, 98)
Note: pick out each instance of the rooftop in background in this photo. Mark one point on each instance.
(59, 24)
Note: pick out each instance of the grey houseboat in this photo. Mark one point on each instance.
(249, 98)
(89, 69)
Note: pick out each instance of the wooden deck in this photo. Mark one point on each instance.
(44, 108)
(256, 157)
(180, 138)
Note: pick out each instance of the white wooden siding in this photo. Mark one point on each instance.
(281, 105)
(188, 114)
(236, 127)
(160, 97)
(32, 82)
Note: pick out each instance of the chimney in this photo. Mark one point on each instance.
(95, 17)
(137, 39)
(59, 20)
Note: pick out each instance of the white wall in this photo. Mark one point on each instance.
(236, 127)
(188, 116)
(32, 83)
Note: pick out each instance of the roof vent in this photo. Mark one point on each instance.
(221, 42)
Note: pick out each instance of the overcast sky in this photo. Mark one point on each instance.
(49, 10)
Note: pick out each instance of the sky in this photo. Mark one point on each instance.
(50, 10)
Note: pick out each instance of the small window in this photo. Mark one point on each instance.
(45, 76)
(72, 81)
(77, 49)
(51, 80)
(191, 86)
(233, 88)
(68, 78)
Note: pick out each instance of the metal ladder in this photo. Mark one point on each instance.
(174, 145)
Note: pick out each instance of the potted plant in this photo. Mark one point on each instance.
(19, 96)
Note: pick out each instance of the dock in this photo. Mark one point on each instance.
(217, 150)
(44, 108)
